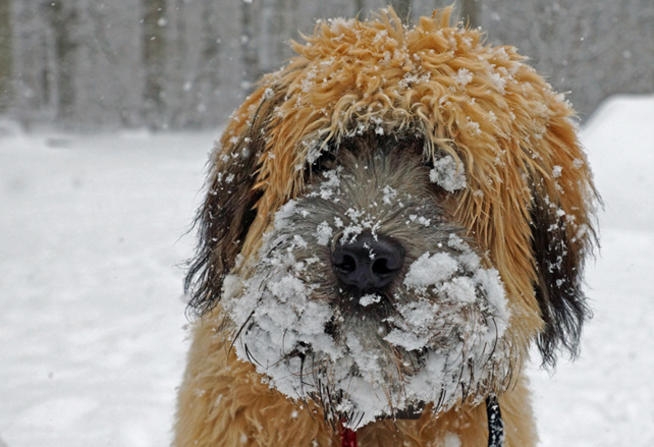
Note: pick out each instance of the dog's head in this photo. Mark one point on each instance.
(394, 217)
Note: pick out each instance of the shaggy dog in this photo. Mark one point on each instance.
(392, 220)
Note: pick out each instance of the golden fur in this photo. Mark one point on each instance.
(514, 137)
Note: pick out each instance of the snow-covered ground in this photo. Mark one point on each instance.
(92, 244)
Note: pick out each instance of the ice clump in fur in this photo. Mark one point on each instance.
(448, 174)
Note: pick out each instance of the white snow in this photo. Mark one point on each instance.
(451, 440)
(91, 316)
(463, 77)
(430, 269)
(448, 173)
(92, 239)
(323, 233)
(369, 299)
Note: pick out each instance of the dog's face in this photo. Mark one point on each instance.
(392, 233)
(368, 294)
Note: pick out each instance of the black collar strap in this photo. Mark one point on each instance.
(495, 424)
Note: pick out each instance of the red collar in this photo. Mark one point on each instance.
(348, 437)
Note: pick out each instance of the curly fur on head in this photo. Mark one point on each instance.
(527, 205)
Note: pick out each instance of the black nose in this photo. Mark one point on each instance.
(369, 263)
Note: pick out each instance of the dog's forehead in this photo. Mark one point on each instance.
(373, 148)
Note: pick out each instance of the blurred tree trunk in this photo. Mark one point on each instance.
(211, 42)
(154, 52)
(359, 6)
(249, 55)
(5, 55)
(46, 78)
(403, 9)
(180, 91)
(470, 12)
(63, 20)
(282, 27)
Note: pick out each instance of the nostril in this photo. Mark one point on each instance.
(347, 263)
(380, 267)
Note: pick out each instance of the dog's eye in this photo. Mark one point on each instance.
(325, 162)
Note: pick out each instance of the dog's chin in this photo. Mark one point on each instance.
(432, 339)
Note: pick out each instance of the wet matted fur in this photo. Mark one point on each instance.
(455, 154)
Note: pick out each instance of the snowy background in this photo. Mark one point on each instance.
(92, 327)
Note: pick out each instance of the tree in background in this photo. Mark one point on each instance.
(188, 63)
(195, 73)
(154, 54)
(211, 47)
(63, 20)
(249, 54)
(403, 9)
(359, 6)
(5, 54)
(470, 12)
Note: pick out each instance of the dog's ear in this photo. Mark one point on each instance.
(229, 207)
(560, 242)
